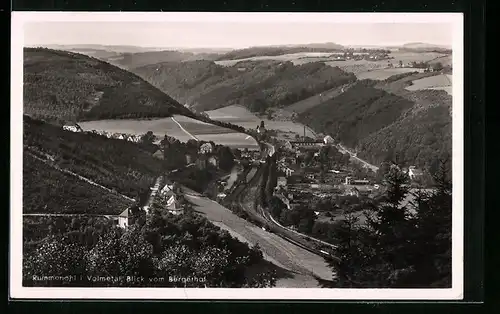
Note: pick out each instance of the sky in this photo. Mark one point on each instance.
(232, 35)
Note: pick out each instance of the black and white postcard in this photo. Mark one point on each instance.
(237, 156)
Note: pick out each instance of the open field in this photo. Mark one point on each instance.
(201, 130)
(443, 82)
(382, 74)
(243, 117)
(159, 127)
(275, 249)
(286, 57)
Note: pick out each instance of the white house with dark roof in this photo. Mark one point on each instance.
(123, 218)
(172, 201)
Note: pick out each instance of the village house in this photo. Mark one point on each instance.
(170, 194)
(122, 220)
(351, 181)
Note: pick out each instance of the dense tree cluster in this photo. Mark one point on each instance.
(255, 84)
(48, 190)
(63, 86)
(163, 247)
(403, 244)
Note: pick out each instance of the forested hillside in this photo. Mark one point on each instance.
(48, 190)
(257, 85)
(412, 127)
(127, 167)
(61, 86)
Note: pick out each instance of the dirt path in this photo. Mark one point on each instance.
(184, 130)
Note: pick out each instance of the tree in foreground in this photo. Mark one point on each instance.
(406, 241)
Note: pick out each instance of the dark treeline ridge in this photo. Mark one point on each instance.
(414, 127)
(48, 190)
(61, 86)
(258, 85)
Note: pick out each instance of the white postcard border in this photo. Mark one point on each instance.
(15, 257)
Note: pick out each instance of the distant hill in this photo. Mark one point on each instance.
(278, 50)
(420, 45)
(63, 86)
(423, 47)
(415, 126)
(134, 60)
(328, 45)
(109, 48)
(47, 190)
(257, 85)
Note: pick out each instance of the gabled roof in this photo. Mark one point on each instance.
(125, 213)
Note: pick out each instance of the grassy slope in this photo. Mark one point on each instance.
(275, 51)
(47, 190)
(254, 84)
(61, 86)
(116, 164)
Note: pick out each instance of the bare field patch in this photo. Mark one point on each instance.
(159, 127)
(243, 117)
(438, 82)
(383, 74)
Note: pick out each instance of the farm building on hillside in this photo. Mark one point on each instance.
(72, 127)
(122, 220)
